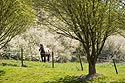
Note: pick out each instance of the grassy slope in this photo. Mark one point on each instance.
(38, 72)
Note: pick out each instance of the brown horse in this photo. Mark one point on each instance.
(44, 52)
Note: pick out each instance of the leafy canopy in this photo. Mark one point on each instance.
(15, 17)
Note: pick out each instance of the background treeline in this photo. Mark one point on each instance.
(65, 49)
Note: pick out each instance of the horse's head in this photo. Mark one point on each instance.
(41, 45)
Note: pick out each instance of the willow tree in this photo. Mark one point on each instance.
(89, 21)
(15, 17)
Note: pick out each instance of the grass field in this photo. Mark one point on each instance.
(38, 72)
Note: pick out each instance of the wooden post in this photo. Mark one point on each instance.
(22, 57)
(80, 61)
(115, 66)
(52, 59)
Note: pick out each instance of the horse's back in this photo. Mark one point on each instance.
(47, 50)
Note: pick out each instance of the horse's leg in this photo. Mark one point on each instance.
(48, 57)
(44, 58)
(41, 57)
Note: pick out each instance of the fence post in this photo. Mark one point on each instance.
(115, 66)
(22, 57)
(80, 62)
(52, 59)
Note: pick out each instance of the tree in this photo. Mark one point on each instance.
(89, 21)
(15, 17)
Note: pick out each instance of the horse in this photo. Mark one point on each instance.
(44, 52)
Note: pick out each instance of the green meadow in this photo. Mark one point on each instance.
(39, 72)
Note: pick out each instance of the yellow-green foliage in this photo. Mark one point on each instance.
(38, 72)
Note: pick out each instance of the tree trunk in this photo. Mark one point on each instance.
(92, 69)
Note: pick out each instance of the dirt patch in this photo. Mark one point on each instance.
(89, 77)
